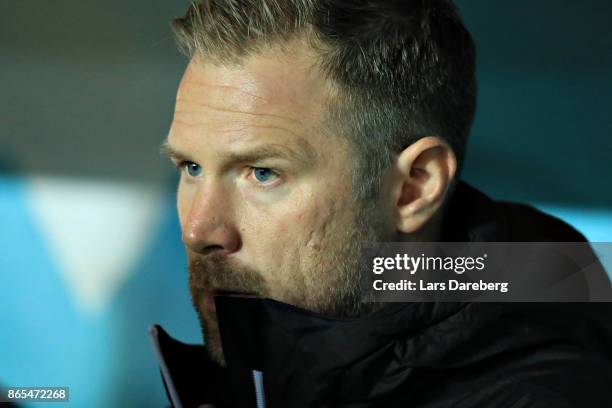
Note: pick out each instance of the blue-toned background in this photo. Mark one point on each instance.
(90, 253)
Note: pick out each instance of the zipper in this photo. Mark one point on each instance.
(259, 391)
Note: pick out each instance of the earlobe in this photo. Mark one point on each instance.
(425, 170)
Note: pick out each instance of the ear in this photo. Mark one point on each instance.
(424, 173)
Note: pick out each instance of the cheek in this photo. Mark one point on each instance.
(277, 244)
(316, 235)
(281, 238)
(309, 234)
(275, 235)
(326, 225)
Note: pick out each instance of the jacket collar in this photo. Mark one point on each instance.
(324, 360)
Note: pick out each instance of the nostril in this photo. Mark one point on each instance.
(211, 249)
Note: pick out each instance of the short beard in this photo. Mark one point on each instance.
(339, 295)
(346, 298)
(215, 272)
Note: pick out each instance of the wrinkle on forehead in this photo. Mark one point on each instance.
(186, 102)
(207, 83)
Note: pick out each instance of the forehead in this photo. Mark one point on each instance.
(274, 84)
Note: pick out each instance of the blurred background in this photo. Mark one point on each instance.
(90, 251)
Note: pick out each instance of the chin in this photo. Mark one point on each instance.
(212, 339)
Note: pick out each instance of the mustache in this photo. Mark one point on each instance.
(216, 273)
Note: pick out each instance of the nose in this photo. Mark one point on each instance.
(208, 224)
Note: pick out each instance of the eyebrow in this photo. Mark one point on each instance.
(305, 154)
(166, 149)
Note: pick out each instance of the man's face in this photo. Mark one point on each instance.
(264, 200)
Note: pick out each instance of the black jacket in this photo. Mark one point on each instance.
(410, 354)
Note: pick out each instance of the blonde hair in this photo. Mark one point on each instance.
(405, 68)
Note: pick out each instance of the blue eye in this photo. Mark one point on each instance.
(193, 169)
(263, 175)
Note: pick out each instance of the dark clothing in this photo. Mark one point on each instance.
(420, 355)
